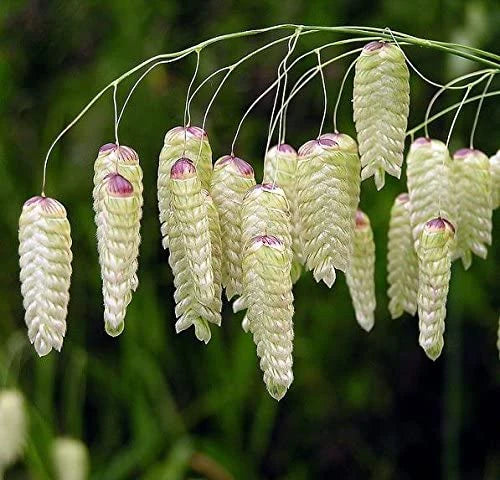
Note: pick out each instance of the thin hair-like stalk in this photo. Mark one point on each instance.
(478, 111)
(449, 86)
(339, 96)
(325, 96)
(456, 115)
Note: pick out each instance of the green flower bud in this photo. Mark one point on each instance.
(360, 275)
(45, 260)
(402, 262)
(434, 263)
(381, 99)
(269, 299)
(472, 187)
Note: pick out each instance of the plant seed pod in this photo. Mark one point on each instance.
(191, 253)
(216, 245)
(402, 262)
(70, 458)
(280, 167)
(381, 99)
(265, 211)
(45, 261)
(361, 273)
(118, 240)
(472, 184)
(495, 180)
(232, 178)
(268, 290)
(434, 263)
(429, 184)
(124, 160)
(189, 142)
(328, 193)
(13, 427)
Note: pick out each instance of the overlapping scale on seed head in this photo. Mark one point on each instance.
(190, 142)
(472, 184)
(118, 213)
(231, 180)
(434, 261)
(402, 262)
(495, 180)
(381, 98)
(280, 167)
(196, 296)
(360, 275)
(429, 179)
(328, 194)
(45, 261)
(269, 299)
(124, 160)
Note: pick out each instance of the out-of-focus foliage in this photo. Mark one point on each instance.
(156, 405)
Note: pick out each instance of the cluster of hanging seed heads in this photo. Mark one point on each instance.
(224, 231)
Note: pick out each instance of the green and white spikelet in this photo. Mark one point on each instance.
(402, 262)
(265, 211)
(216, 245)
(119, 214)
(495, 180)
(70, 458)
(13, 427)
(472, 185)
(268, 290)
(125, 161)
(434, 262)
(280, 167)
(45, 261)
(360, 275)
(429, 184)
(381, 99)
(189, 142)
(328, 193)
(196, 297)
(231, 180)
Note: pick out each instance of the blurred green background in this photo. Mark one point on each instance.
(155, 405)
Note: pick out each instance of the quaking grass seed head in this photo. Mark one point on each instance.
(70, 459)
(13, 427)
(45, 261)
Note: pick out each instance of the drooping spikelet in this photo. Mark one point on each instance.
(472, 184)
(280, 167)
(381, 105)
(189, 142)
(360, 275)
(70, 458)
(45, 261)
(124, 160)
(328, 194)
(119, 211)
(216, 245)
(495, 179)
(13, 427)
(402, 262)
(434, 262)
(231, 180)
(196, 297)
(265, 211)
(268, 290)
(429, 184)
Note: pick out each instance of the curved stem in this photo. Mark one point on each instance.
(478, 111)
(449, 86)
(337, 103)
(449, 109)
(480, 56)
(325, 96)
(456, 115)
